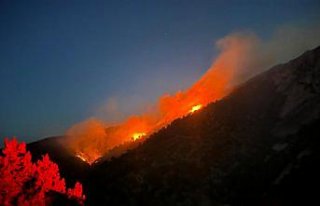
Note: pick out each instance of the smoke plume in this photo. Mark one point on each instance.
(242, 55)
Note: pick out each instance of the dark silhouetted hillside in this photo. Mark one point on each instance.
(71, 167)
(257, 146)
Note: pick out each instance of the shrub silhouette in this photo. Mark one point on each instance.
(24, 183)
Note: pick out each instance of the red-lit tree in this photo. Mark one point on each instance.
(25, 183)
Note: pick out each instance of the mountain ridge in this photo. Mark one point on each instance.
(247, 148)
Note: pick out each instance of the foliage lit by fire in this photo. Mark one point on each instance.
(25, 183)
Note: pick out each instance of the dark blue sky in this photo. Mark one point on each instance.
(60, 61)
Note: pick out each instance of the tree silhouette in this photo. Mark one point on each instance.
(25, 183)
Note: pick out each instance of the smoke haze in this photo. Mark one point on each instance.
(242, 55)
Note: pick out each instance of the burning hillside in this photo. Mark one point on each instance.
(91, 139)
(235, 151)
(258, 146)
(241, 57)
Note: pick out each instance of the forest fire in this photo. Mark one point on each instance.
(138, 135)
(92, 138)
(90, 159)
(195, 108)
(81, 156)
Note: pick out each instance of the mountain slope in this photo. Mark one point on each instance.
(71, 167)
(257, 146)
(241, 150)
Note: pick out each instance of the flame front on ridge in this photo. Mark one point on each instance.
(195, 108)
(94, 138)
(138, 135)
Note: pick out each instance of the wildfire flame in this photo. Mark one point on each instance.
(81, 156)
(90, 159)
(138, 135)
(195, 108)
(93, 138)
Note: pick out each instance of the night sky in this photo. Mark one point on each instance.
(63, 61)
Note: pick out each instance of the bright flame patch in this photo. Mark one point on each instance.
(195, 108)
(80, 156)
(88, 159)
(138, 135)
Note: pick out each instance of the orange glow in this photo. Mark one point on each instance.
(195, 108)
(138, 135)
(93, 138)
(80, 156)
(90, 159)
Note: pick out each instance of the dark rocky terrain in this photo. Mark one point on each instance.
(257, 146)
